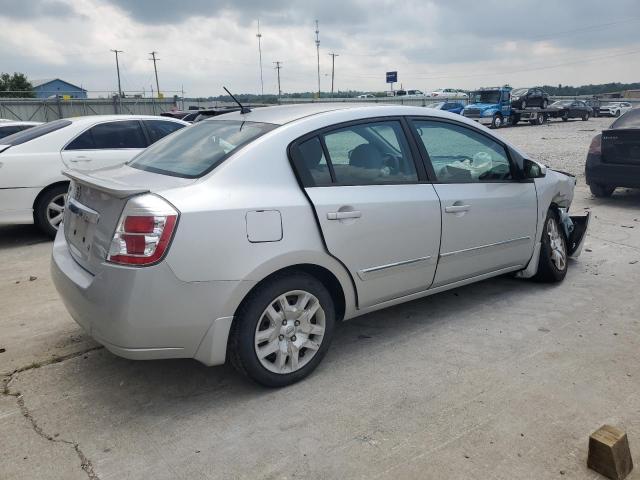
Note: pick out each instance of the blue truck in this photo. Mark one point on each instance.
(492, 106)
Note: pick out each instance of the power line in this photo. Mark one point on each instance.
(278, 67)
(333, 67)
(118, 70)
(155, 69)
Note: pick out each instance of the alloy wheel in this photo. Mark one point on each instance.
(55, 210)
(289, 332)
(558, 248)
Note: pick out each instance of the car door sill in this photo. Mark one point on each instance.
(431, 291)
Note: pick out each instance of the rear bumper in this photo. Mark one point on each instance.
(611, 174)
(146, 313)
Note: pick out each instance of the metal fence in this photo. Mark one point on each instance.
(45, 110)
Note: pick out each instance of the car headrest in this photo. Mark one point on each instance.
(366, 156)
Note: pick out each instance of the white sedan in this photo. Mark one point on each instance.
(32, 189)
(445, 93)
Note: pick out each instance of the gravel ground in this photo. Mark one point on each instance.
(558, 144)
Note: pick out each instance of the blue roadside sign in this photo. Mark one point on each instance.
(392, 77)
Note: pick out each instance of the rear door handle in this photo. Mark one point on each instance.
(457, 208)
(80, 158)
(343, 215)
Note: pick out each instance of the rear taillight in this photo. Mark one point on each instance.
(596, 145)
(144, 231)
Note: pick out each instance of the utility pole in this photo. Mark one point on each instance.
(333, 67)
(259, 35)
(318, 52)
(118, 70)
(153, 57)
(278, 67)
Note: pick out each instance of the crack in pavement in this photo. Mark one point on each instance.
(85, 462)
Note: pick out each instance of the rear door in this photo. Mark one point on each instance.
(106, 144)
(489, 217)
(376, 216)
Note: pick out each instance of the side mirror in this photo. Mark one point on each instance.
(533, 169)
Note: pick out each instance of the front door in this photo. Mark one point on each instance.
(488, 216)
(375, 216)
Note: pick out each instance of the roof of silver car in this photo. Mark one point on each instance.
(281, 114)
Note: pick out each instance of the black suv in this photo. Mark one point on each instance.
(522, 98)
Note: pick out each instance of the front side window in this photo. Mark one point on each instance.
(459, 154)
(195, 151)
(371, 153)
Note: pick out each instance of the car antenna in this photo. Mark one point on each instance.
(243, 109)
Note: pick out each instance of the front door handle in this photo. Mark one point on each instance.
(457, 208)
(343, 215)
(80, 158)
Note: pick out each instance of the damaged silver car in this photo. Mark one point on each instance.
(247, 236)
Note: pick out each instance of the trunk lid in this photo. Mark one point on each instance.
(94, 205)
(621, 146)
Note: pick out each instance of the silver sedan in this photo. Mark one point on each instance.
(246, 237)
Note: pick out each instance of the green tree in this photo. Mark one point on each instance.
(16, 86)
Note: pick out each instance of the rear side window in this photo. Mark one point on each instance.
(159, 128)
(195, 151)
(461, 155)
(35, 132)
(363, 154)
(631, 119)
(111, 135)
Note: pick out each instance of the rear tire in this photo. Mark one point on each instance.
(601, 191)
(553, 261)
(617, 114)
(49, 208)
(565, 117)
(269, 309)
(585, 117)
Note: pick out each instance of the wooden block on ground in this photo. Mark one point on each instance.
(609, 453)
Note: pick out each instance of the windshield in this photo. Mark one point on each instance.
(518, 92)
(631, 119)
(612, 104)
(488, 96)
(35, 132)
(194, 151)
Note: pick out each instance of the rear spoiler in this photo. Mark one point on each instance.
(107, 185)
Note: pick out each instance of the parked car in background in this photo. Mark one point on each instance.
(566, 109)
(522, 98)
(253, 233)
(447, 93)
(613, 159)
(206, 113)
(615, 109)
(409, 93)
(453, 107)
(367, 95)
(32, 188)
(10, 127)
(180, 114)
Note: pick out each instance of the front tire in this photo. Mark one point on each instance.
(49, 209)
(565, 116)
(585, 117)
(497, 121)
(601, 191)
(553, 261)
(282, 330)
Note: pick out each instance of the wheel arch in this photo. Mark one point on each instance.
(45, 190)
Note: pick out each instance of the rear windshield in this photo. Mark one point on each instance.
(196, 150)
(35, 132)
(631, 119)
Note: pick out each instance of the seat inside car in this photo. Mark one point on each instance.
(366, 156)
